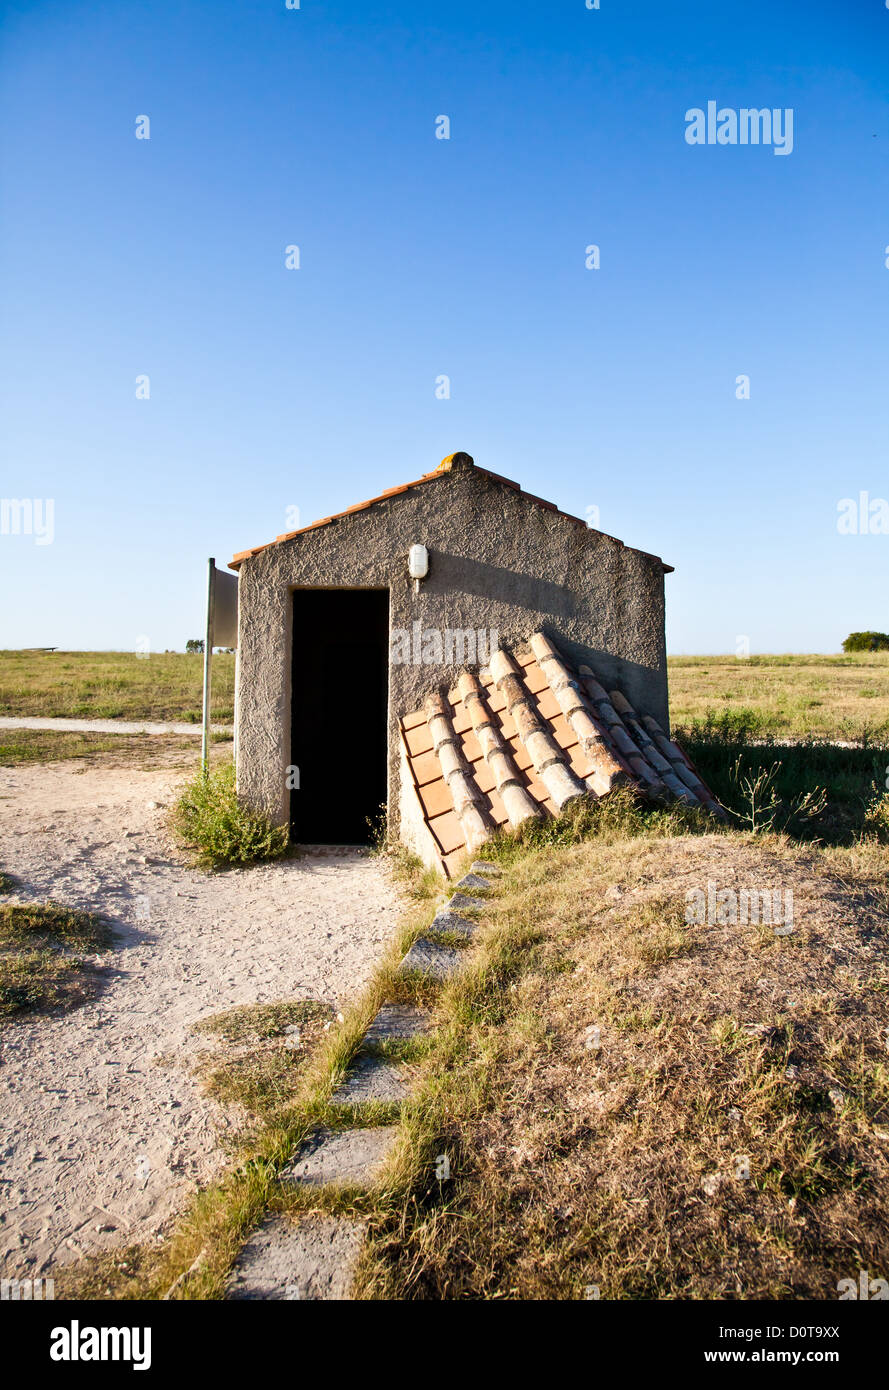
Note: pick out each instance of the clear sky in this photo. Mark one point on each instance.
(314, 388)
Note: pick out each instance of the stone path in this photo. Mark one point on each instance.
(313, 1256)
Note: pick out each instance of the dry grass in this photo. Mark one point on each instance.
(260, 1053)
(606, 1075)
(43, 949)
(23, 746)
(632, 1105)
(826, 696)
(113, 685)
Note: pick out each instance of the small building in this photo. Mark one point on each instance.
(457, 651)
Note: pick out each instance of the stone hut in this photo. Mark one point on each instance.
(457, 651)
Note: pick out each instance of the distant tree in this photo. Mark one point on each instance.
(195, 644)
(867, 642)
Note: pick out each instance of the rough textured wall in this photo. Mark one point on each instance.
(497, 560)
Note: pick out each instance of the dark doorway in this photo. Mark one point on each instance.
(338, 713)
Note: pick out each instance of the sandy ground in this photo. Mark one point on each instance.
(103, 1130)
(105, 726)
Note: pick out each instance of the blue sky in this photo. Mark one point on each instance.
(315, 388)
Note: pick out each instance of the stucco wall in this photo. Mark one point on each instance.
(497, 561)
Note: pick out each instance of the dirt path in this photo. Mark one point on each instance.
(105, 726)
(103, 1130)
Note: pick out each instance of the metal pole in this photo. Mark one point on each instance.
(208, 653)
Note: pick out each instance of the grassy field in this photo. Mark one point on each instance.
(832, 697)
(837, 697)
(114, 685)
(616, 1131)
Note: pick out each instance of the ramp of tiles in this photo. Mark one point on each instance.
(526, 737)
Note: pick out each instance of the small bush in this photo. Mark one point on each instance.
(809, 789)
(220, 829)
(867, 642)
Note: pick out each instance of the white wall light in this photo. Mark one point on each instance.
(418, 564)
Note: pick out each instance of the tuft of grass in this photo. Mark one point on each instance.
(38, 971)
(622, 815)
(260, 1053)
(51, 924)
(220, 829)
(250, 1023)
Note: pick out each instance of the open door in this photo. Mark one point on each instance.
(339, 713)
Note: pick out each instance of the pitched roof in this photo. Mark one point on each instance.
(526, 737)
(460, 459)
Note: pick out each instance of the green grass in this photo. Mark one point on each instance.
(218, 828)
(260, 1053)
(41, 965)
(826, 697)
(810, 788)
(113, 685)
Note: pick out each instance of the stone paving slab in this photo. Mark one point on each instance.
(484, 866)
(341, 1155)
(395, 1022)
(430, 958)
(474, 883)
(371, 1078)
(445, 921)
(461, 902)
(311, 1259)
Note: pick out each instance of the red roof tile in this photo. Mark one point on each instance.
(538, 735)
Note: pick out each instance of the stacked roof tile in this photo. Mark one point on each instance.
(525, 738)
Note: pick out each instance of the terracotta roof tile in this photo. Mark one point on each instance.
(477, 767)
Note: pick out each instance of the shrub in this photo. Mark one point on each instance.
(867, 642)
(809, 788)
(209, 819)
